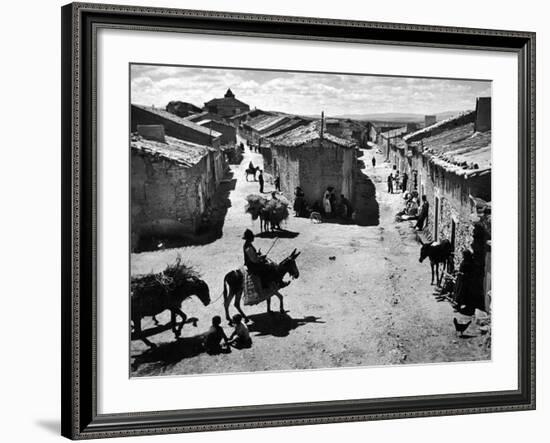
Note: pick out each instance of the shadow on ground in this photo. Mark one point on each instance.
(171, 353)
(367, 210)
(279, 233)
(278, 324)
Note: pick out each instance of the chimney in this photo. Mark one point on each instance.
(429, 120)
(483, 114)
(152, 132)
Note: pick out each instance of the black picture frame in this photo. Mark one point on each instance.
(79, 390)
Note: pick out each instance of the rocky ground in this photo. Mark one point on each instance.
(372, 304)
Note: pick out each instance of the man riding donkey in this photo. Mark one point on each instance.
(257, 264)
(258, 280)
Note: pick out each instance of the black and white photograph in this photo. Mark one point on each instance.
(307, 220)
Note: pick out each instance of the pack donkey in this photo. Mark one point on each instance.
(438, 253)
(155, 293)
(233, 285)
(252, 172)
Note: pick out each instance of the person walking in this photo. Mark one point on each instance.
(424, 209)
(373, 162)
(405, 179)
(261, 181)
(278, 184)
(390, 184)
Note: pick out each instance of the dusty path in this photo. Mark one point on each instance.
(371, 305)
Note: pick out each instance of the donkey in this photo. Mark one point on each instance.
(438, 253)
(152, 299)
(233, 285)
(251, 171)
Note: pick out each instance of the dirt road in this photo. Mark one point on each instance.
(370, 305)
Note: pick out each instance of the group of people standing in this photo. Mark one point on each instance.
(397, 182)
(332, 208)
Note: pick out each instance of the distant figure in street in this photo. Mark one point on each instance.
(251, 166)
(327, 207)
(240, 337)
(390, 184)
(423, 214)
(261, 181)
(373, 162)
(214, 337)
(299, 202)
(278, 183)
(405, 179)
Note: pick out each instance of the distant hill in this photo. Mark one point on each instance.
(398, 116)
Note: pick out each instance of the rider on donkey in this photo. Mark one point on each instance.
(258, 264)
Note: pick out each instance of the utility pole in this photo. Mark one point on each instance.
(322, 124)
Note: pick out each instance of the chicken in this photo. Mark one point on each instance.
(461, 327)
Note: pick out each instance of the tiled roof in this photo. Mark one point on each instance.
(305, 134)
(288, 126)
(177, 151)
(269, 122)
(256, 112)
(460, 150)
(179, 120)
(428, 130)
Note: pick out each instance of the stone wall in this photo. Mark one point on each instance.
(453, 193)
(229, 133)
(314, 168)
(167, 199)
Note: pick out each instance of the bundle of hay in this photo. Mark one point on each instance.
(164, 281)
(277, 210)
(255, 204)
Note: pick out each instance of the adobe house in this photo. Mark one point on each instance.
(452, 160)
(350, 129)
(227, 131)
(309, 157)
(172, 182)
(226, 106)
(265, 148)
(387, 138)
(174, 126)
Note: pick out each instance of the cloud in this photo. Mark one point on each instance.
(305, 93)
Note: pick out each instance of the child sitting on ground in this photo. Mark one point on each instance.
(214, 336)
(242, 336)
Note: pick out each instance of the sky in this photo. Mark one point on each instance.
(304, 93)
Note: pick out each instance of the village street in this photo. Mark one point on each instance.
(372, 304)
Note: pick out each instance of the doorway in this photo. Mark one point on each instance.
(436, 219)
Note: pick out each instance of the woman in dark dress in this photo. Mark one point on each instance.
(299, 202)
